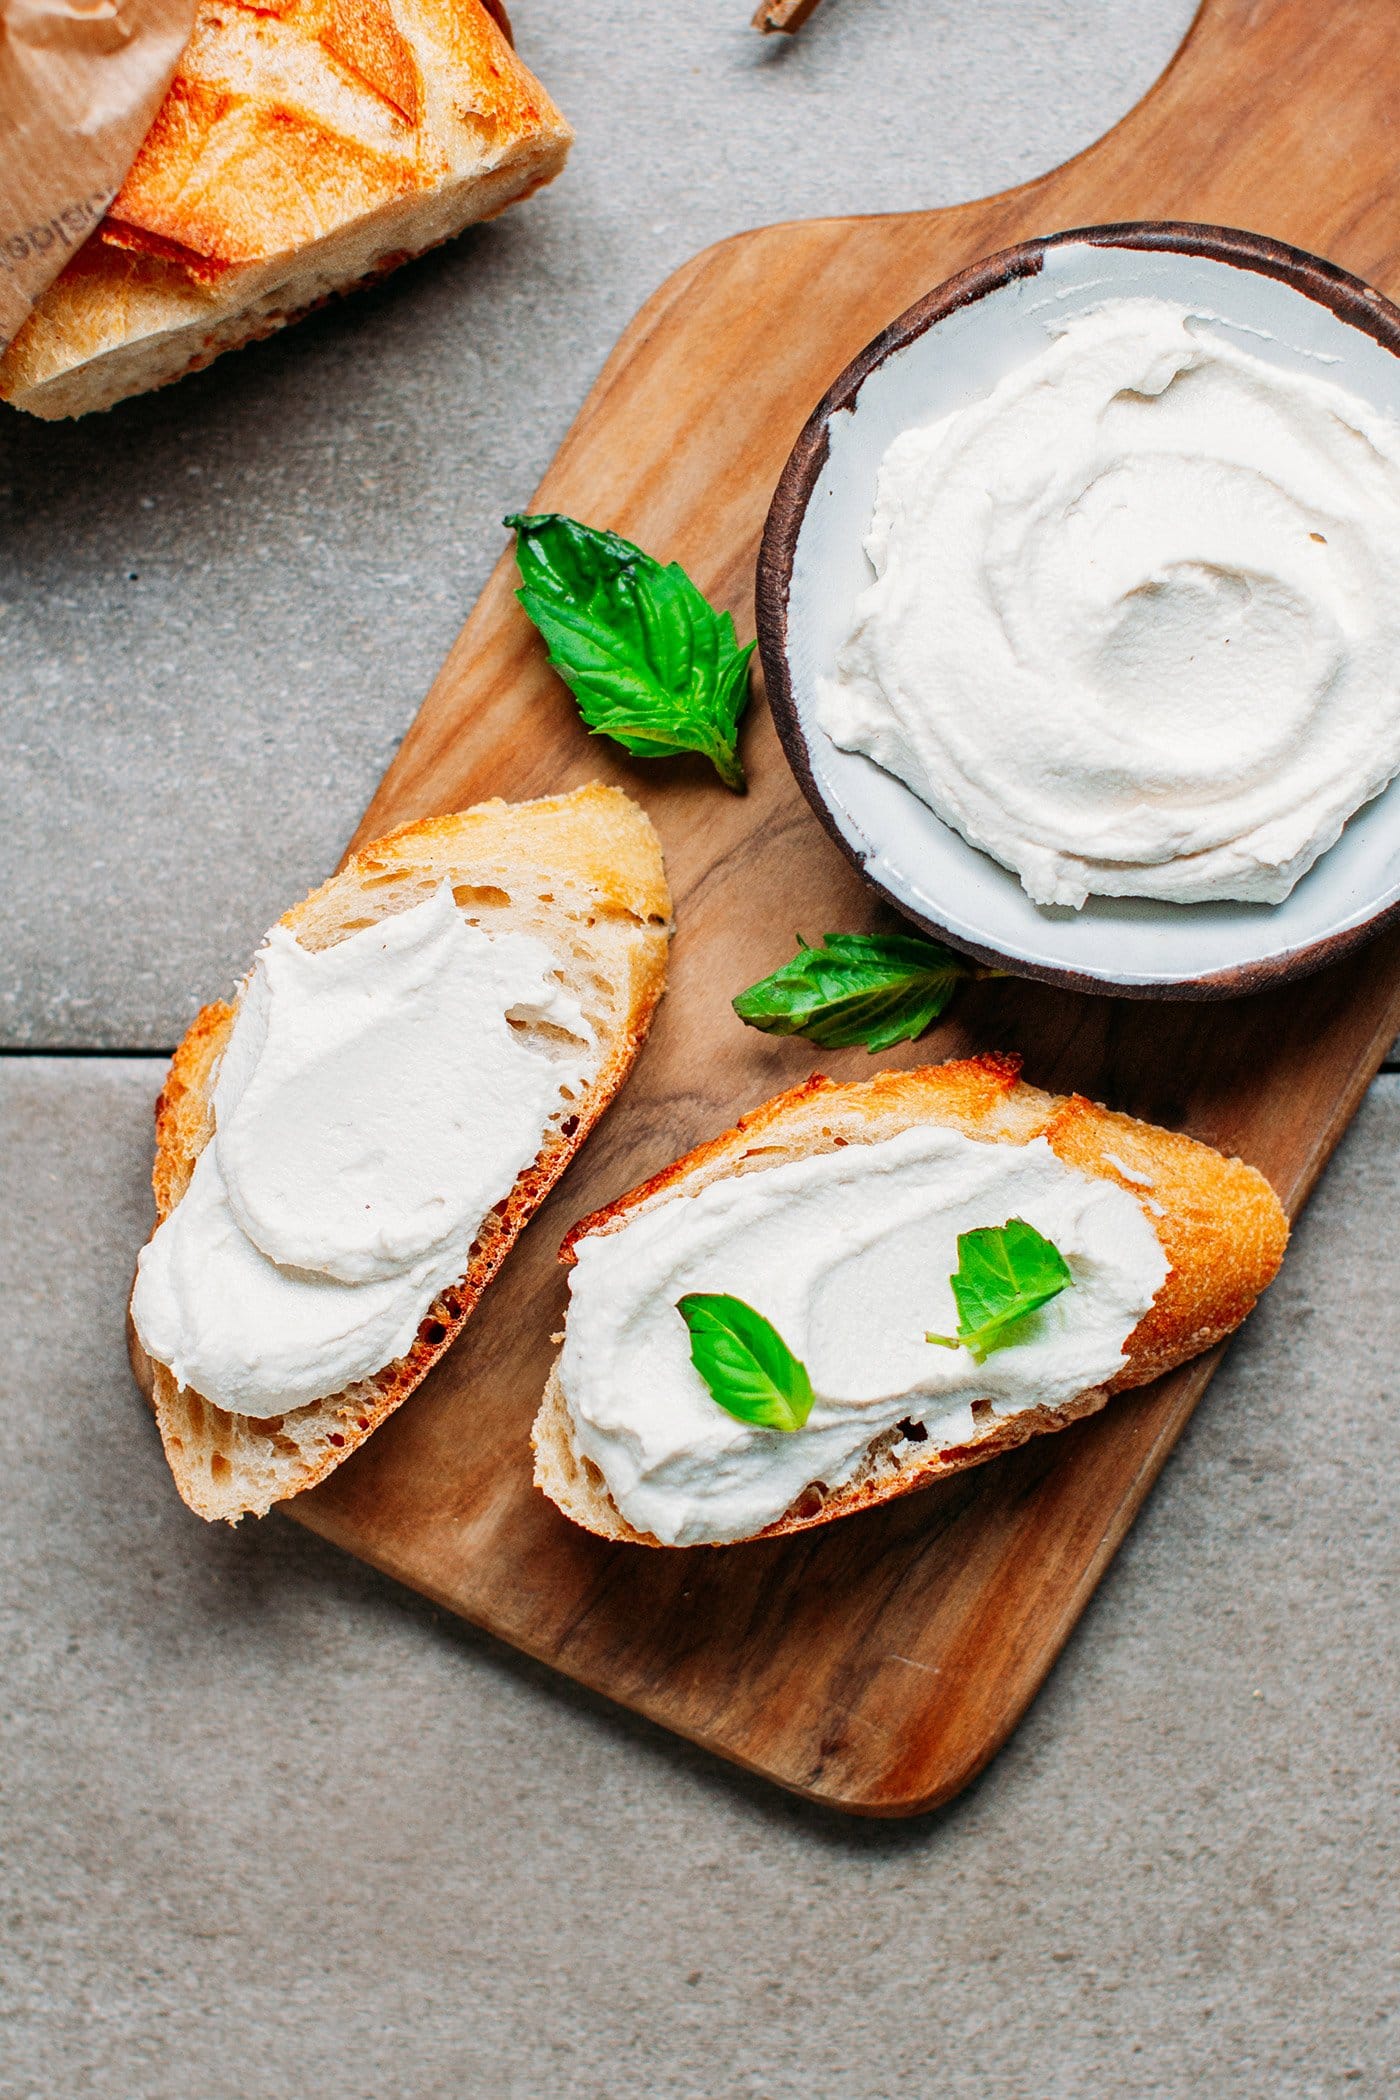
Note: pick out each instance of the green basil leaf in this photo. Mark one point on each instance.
(873, 988)
(648, 659)
(1003, 1273)
(745, 1362)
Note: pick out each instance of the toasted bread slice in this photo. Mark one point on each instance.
(583, 873)
(303, 147)
(1219, 1222)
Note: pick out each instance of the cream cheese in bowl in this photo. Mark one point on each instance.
(1079, 604)
(1135, 623)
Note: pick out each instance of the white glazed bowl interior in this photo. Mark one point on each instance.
(920, 862)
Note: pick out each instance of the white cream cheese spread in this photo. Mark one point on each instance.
(1135, 628)
(375, 1100)
(849, 1254)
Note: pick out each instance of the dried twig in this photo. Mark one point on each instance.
(786, 15)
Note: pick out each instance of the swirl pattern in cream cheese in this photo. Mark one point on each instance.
(1135, 628)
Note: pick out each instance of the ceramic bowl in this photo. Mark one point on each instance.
(950, 349)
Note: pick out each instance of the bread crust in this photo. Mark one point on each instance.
(303, 147)
(1219, 1223)
(583, 869)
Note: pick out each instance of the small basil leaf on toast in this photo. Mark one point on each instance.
(1004, 1272)
(745, 1362)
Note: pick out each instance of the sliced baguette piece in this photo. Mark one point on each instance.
(1219, 1222)
(304, 147)
(583, 873)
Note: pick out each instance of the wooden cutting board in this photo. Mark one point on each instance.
(878, 1664)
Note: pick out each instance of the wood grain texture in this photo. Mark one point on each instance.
(878, 1664)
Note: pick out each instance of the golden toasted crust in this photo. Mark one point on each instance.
(1219, 1222)
(303, 146)
(581, 871)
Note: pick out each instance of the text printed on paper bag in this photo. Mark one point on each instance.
(70, 226)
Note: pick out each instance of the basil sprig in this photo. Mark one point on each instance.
(1003, 1273)
(745, 1362)
(873, 988)
(648, 659)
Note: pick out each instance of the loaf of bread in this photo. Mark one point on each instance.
(581, 872)
(1219, 1224)
(304, 147)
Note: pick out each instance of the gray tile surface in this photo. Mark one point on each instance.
(270, 1825)
(220, 606)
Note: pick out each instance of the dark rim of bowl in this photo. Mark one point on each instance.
(1352, 301)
